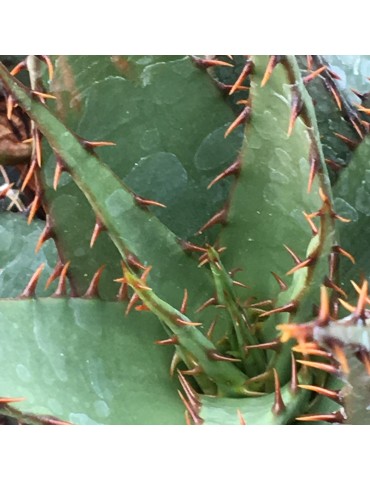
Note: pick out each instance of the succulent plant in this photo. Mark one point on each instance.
(231, 246)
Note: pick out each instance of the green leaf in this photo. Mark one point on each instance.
(18, 260)
(84, 362)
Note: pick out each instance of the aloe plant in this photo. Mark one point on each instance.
(193, 252)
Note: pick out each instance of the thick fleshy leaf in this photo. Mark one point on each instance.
(167, 119)
(18, 260)
(85, 362)
(352, 201)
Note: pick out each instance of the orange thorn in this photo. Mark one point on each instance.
(260, 304)
(61, 288)
(196, 419)
(247, 69)
(289, 307)
(142, 308)
(49, 64)
(305, 349)
(320, 366)
(341, 358)
(207, 63)
(240, 119)
(324, 313)
(334, 75)
(11, 399)
(283, 286)
(343, 252)
(134, 261)
(189, 390)
(9, 107)
(37, 143)
(336, 417)
(28, 177)
(211, 330)
(358, 290)
(186, 323)
(191, 247)
(363, 109)
(233, 169)
(241, 418)
(59, 169)
(336, 96)
(263, 346)
(341, 219)
(89, 144)
(134, 299)
(30, 289)
(93, 290)
(278, 406)
(46, 234)
(197, 370)
(240, 284)
(361, 303)
(98, 228)
(312, 75)
(35, 206)
(5, 191)
(18, 68)
(217, 357)
(306, 263)
(347, 306)
(295, 257)
(332, 394)
(184, 302)
(55, 274)
(207, 303)
(122, 292)
(313, 227)
(44, 95)
(168, 341)
(144, 202)
(351, 143)
(273, 61)
(219, 217)
(330, 284)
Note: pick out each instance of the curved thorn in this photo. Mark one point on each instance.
(283, 286)
(93, 289)
(233, 169)
(320, 366)
(287, 308)
(55, 274)
(62, 284)
(306, 263)
(308, 78)
(145, 202)
(219, 217)
(241, 118)
(273, 61)
(247, 69)
(218, 357)
(332, 394)
(168, 341)
(30, 289)
(278, 407)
